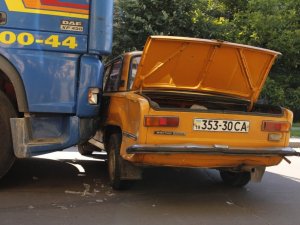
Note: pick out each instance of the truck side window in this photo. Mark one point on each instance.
(112, 80)
(135, 61)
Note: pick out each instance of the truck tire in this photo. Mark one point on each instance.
(115, 162)
(7, 156)
(235, 179)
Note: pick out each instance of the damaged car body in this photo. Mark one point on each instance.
(186, 102)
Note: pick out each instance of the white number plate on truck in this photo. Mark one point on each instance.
(236, 126)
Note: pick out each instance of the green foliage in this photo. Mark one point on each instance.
(135, 20)
(273, 93)
(273, 24)
(295, 130)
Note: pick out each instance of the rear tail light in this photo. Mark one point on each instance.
(161, 121)
(275, 137)
(273, 126)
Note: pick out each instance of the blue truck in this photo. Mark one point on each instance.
(50, 74)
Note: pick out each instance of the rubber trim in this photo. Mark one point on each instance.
(199, 149)
(17, 82)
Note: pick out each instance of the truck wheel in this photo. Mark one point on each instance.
(114, 163)
(85, 149)
(235, 179)
(7, 156)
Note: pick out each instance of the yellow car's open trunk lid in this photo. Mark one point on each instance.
(210, 66)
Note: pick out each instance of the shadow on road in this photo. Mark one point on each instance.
(71, 172)
(44, 173)
(167, 195)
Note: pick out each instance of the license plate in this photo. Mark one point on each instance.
(236, 126)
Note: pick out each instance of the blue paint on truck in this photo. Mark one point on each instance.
(50, 57)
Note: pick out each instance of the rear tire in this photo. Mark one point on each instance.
(7, 156)
(115, 163)
(235, 179)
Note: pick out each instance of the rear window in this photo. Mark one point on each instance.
(113, 77)
(135, 61)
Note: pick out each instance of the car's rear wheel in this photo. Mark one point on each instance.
(115, 163)
(235, 179)
(7, 156)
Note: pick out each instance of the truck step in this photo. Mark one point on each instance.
(45, 141)
(26, 146)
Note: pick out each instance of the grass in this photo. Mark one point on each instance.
(296, 130)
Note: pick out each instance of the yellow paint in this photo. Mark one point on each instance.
(36, 4)
(127, 109)
(18, 6)
(27, 39)
(204, 161)
(211, 66)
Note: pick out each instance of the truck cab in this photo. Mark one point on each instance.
(50, 73)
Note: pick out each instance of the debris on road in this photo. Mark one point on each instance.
(86, 191)
(73, 192)
(229, 203)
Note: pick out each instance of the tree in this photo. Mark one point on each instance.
(272, 24)
(135, 20)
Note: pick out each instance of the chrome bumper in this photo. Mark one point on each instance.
(210, 150)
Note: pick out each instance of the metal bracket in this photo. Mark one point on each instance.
(130, 171)
(3, 18)
(257, 174)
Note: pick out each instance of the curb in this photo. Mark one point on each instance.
(295, 144)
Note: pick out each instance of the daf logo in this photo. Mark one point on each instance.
(71, 25)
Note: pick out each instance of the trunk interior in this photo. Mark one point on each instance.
(174, 101)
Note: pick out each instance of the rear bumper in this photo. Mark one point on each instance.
(210, 150)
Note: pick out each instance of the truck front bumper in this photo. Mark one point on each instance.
(211, 150)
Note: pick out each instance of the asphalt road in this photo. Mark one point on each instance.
(67, 189)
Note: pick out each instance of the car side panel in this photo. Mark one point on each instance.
(126, 111)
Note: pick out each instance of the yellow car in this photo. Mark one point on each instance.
(186, 102)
